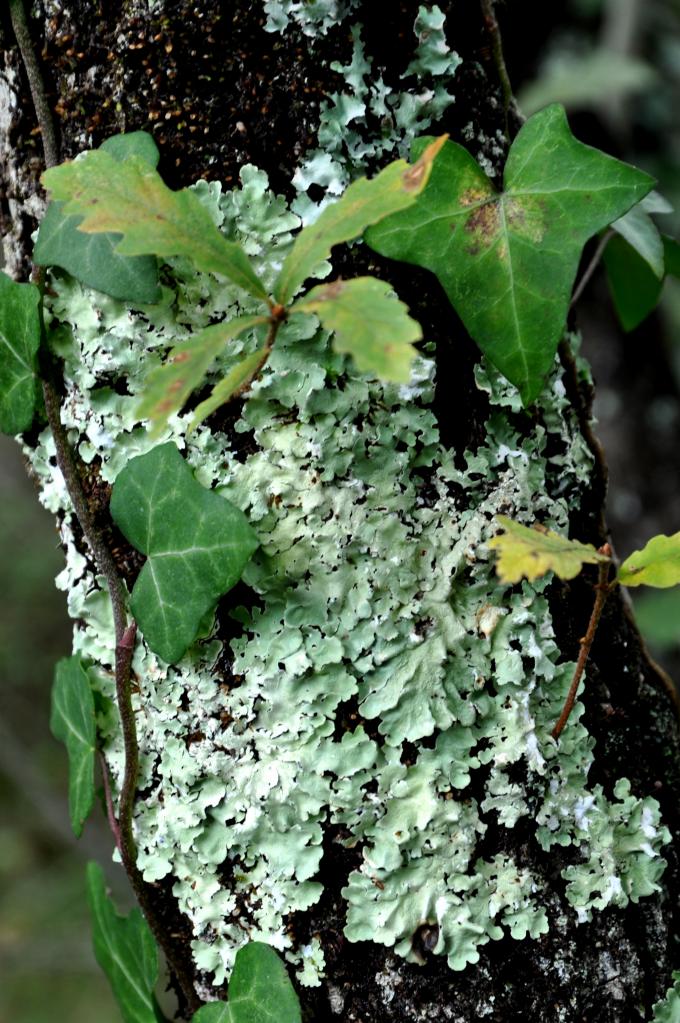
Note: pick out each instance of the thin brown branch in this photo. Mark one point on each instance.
(602, 591)
(494, 32)
(108, 797)
(591, 268)
(22, 32)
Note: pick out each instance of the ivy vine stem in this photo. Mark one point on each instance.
(124, 633)
(22, 32)
(592, 266)
(491, 22)
(602, 590)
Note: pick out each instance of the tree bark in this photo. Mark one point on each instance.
(217, 92)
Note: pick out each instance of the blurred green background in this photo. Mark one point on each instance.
(616, 66)
(46, 964)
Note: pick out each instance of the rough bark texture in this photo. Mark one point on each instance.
(217, 92)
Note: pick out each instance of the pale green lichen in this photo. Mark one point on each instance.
(377, 603)
(369, 121)
(314, 17)
(668, 1010)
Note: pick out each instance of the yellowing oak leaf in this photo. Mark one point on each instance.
(131, 199)
(529, 553)
(657, 564)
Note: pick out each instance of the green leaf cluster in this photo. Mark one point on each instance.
(111, 206)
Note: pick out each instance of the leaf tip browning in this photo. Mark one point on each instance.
(416, 175)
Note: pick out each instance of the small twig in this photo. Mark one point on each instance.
(110, 812)
(602, 591)
(279, 314)
(591, 268)
(124, 651)
(491, 22)
(17, 13)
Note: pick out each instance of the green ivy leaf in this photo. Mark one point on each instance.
(365, 202)
(260, 991)
(671, 256)
(130, 198)
(235, 382)
(92, 258)
(169, 386)
(531, 552)
(369, 323)
(657, 564)
(19, 343)
(634, 287)
(642, 234)
(125, 949)
(507, 261)
(197, 544)
(73, 722)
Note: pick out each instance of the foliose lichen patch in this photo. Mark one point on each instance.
(375, 591)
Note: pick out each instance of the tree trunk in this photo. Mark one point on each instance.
(528, 886)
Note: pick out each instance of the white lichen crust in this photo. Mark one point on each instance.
(383, 672)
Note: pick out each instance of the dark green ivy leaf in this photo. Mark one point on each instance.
(260, 991)
(634, 287)
(19, 343)
(197, 543)
(508, 260)
(73, 723)
(92, 258)
(126, 951)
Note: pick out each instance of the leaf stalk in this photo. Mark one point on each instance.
(602, 590)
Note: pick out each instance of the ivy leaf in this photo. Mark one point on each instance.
(92, 258)
(260, 991)
(369, 323)
(634, 287)
(508, 260)
(235, 382)
(125, 949)
(73, 722)
(531, 552)
(169, 386)
(130, 198)
(365, 202)
(642, 234)
(657, 564)
(197, 544)
(19, 343)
